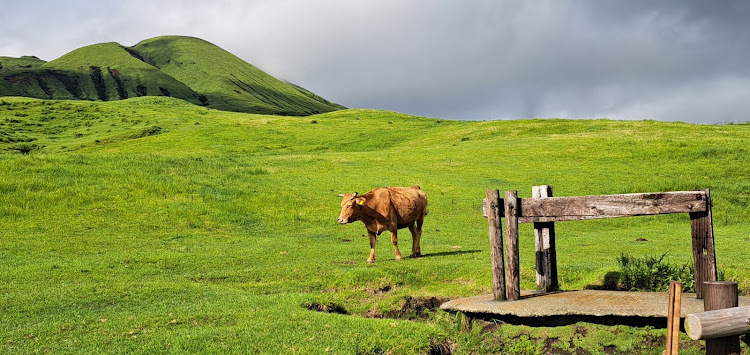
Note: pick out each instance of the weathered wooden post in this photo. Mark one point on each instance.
(720, 295)
(544, 241)
(673, 318)
(704, 256)
(513, 279)
(494, 218)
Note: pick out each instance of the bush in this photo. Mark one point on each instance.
(652, 273)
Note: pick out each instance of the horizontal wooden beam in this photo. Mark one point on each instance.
(558, 209)
(718, 323)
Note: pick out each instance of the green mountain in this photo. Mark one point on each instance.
(186, 68)
(227, 81)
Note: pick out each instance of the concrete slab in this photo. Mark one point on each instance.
(567, 307)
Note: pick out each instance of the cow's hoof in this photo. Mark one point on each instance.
(398, 257)
(416, 255)
(370, 261)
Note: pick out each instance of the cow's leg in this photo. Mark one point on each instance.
(373, 241)
(414, 240)
(394, 240)
(418, 238)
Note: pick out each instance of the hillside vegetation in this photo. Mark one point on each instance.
(152, 225)
(187, 68)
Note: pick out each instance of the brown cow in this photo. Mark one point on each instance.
(387, 209)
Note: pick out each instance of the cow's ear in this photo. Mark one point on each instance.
(360, 201)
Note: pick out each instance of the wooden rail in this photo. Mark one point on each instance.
(719, 323)
(723, 321)
(544, 210)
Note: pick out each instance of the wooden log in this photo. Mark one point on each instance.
(544, 241)
(704, 255)
(558, 209)
(721, 295)
(673, 318)
(718, 323)
(494, 219)
(513, 279)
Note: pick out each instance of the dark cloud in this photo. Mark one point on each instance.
(668, 60)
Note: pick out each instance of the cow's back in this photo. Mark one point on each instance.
(409, 203)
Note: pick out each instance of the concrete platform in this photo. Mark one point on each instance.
(569, 307)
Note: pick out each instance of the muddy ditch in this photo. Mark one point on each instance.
(413, 308)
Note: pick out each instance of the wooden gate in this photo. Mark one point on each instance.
(543, 211)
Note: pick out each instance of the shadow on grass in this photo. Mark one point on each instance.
(447, 253)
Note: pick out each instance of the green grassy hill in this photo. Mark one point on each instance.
(150, 225)
(182, 67)
(228, 82)
(26, 62)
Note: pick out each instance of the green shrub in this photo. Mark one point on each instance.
(652, 273)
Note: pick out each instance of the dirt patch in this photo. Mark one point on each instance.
(443, 347)
(380, 290)
(22, 79)
(413, 308)
(489, 327)
(653, 341)
(550, 348)
(327, 308)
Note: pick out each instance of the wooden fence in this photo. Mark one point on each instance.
(722, 322)
(543, 211)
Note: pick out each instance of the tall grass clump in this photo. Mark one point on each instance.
(652, 273)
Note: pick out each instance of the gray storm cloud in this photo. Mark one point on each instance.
(667, 60)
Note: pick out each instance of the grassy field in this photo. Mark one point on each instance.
(151, 225)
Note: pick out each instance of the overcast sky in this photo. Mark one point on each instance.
(469, 59)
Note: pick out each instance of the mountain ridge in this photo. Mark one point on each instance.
(186, 68)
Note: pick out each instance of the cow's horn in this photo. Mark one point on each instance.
(340, 195)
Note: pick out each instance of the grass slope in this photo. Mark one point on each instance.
(187, 68)
(228, 82)
(25, 62)
(105, 71)
(150, 225)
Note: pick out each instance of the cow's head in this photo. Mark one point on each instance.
(350, 206)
